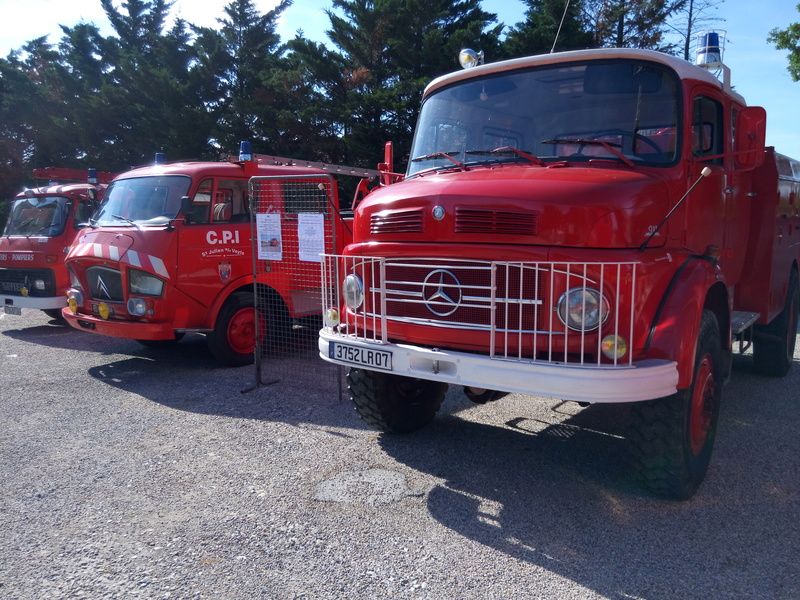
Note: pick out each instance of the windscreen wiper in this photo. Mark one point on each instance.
(128, 220)
(610, 146)
(447, 155)
(509, 151)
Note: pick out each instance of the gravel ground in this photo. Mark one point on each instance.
(135, 473)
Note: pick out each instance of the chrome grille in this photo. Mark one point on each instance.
(513, 304)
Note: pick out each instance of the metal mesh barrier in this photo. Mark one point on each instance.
(294, 220)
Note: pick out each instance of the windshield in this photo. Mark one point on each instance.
(142, 201)
(43, 216)
(620, 110)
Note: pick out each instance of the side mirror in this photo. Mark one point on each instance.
(750, 141)
(186, 208)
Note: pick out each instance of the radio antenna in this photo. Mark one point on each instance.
(566, 6)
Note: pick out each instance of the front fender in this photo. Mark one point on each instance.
(241, 283)
(676, 324)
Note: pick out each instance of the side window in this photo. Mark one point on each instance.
(201, 204)
(230, 201)
(707, 130)
(223, 203)
(83, 212)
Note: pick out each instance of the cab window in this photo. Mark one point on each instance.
(201, 203)
(707, 130)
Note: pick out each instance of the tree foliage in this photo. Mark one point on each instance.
(632, 23)
(550, 25)
(159, 84)
(789, 39)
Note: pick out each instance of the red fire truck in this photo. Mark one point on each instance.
(41, 226)
(595, 226)
(169, 252)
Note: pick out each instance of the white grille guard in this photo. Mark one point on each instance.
(513, 303)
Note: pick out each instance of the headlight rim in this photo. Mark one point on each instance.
(353, 291)
(562, 309)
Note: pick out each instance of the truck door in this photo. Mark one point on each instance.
(706, 205)
(214, 246)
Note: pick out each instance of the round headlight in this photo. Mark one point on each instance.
(582, 309)
(353, 291)
(137, 307)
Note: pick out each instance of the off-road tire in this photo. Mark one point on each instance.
(773, 344)
(671, 439)
(392, 403)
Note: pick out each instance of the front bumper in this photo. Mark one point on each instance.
(45, 303)
(134, 330)
(641, 380)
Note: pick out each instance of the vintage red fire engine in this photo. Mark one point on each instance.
(41, 226)
(169, 252)
(595, 226)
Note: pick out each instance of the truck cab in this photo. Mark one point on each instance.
(169, 251)
(42, 224)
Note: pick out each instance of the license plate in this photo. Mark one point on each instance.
(12, 310)
(365, 357)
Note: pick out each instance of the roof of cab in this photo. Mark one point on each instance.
(683, 68)
(217, 169)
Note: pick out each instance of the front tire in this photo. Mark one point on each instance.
(671, 438)
(234, 337)
(393, 403)
(773, 344)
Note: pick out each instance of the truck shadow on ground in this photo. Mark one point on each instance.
(561, 496)
(187, 378)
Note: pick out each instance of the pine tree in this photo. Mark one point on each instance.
(389, 50)
(632, 23)
(550, 25)
(244, 58)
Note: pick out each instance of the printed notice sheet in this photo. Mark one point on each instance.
(268, 233)
(311, 236)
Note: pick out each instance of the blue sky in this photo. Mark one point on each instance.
(758, 70)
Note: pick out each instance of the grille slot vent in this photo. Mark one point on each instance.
(470, 220)
(396, 221)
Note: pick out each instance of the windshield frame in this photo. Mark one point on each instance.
(567, 96)
(147, 200)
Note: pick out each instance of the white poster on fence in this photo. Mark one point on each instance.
(268, 233)
(311, 236)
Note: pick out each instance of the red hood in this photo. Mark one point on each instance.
(573, 206)
(107, 244)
